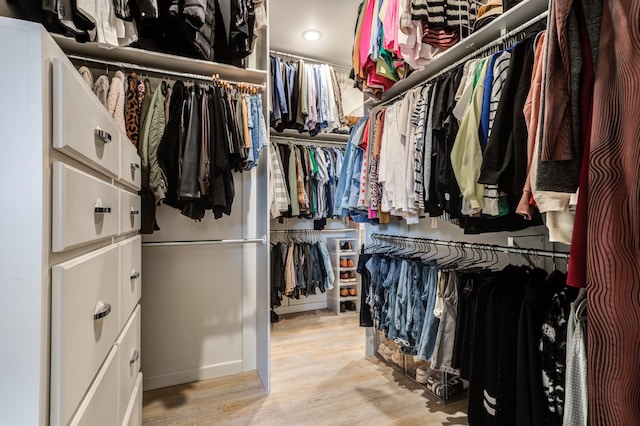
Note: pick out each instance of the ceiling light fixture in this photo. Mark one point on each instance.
(312, 35)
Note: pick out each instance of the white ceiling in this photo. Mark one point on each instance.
(335, 19)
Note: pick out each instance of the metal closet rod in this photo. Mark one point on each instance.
(454, 244)
(309, 231)
(261, 240)
(307, 59)
(159, 71)
(307, 142)
(503, 38)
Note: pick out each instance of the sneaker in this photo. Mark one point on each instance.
(422, 374)
(398, 357)
(344, 263)
(343, 307)
(344, 276)
(344, 292)
(350, 305)
(353, 291)
(386, 352)
(346, 246)
(350, 263)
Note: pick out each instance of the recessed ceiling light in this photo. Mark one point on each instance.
(312, 35)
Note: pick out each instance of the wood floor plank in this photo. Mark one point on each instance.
(319, 376)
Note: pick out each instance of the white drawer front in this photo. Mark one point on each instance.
(130, 205)
(85, 209)
(82, 127)
(133, 414)
(128, 360)
(129, 163)
(100, 406)
(130, 276)
(84, 325)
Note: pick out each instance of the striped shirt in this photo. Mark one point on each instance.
(279, 191)
(419, 119)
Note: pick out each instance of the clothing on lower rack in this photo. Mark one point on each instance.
(299, 269)
(304, 180)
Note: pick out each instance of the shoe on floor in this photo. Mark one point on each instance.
(422, 374)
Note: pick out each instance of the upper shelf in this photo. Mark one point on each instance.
(512, 19)
(147, 58)
(322, 137)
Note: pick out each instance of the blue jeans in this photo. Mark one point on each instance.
(430, 324)
(391, 287)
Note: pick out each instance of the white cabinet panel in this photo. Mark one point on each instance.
(128, 361)
(130, 205)
(100, 406)
(84, 325)
(133, 413)
(130, 276)
(129, 163)
(84, 209)
(82, 127)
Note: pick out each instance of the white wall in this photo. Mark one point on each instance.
(351, 97)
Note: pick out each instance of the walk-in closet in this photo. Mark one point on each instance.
(344, 212)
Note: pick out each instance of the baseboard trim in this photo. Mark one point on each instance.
(292, 309)
(187, 376)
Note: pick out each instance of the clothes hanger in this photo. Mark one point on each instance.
(581, 310)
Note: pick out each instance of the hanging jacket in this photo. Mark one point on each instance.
(189, 187)
(115, 99)
(169, 147)
(221, 179)
(153, 182)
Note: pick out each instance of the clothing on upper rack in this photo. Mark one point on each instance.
(303, 180)
(505, 331)
(299, 269)
(190, 28)
(394, 37)
(306, 97)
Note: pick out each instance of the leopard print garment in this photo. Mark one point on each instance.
(132, 117)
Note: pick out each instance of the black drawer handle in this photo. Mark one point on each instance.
(135, 166)
(135, 355)
(102, 210)
(135, 275)
(105, 136)
(134, 211)
(102, 312)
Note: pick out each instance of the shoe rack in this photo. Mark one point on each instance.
(344, 298)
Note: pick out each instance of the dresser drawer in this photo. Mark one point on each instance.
(133, 413)
(129, 212)
(84, 325)
(129, 164)
(100, 406)
(84, 209)
(130, 276)
(128, 360)
(82, 127)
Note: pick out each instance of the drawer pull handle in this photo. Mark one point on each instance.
(102, 210)
(135, 166)
(134, 211)
(135, 275)
(102, 312)
(105, 136)
(135, 355)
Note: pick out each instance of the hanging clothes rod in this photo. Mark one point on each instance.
(325, 137)
(309, 231)
(307, 59)
(472, 246)
(305, 142)
(503, 38)
(158, 71)
(262, 240)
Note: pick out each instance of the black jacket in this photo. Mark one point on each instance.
(169, 148)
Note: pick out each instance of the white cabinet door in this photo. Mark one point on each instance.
(130, 276)
(128, 361)
(84, 325)
(100, 406)
(130, 205)
(84, 209)
(82, 127)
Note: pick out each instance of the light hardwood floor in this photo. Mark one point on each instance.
(319, 376)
